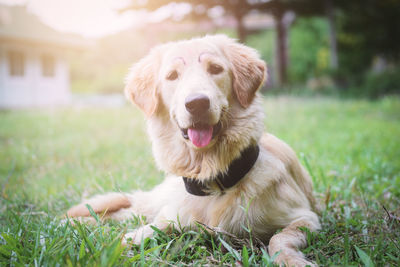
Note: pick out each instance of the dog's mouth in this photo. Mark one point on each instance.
(201, 134)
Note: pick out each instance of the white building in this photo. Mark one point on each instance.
(33, 65)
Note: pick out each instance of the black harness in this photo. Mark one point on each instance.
(236, 171)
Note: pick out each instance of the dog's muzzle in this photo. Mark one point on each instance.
(201, 132)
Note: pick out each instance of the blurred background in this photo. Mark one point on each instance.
(67, 131)
(69, 50)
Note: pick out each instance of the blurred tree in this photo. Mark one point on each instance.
(236, 8)
(330, 14)
(301, 8)
(308, 50)
(239, 8)
(368, 29)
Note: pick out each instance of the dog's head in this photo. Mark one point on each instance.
(197, 83)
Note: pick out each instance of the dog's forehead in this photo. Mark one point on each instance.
(191, 51)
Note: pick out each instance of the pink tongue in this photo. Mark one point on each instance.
(200, 137)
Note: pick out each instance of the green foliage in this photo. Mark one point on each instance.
(264, 42)
(308, 49)
(373, 84)
(309, 54)
(381, 84)
(49, 159)
(367, 29)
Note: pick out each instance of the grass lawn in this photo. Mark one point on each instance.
(50, 159)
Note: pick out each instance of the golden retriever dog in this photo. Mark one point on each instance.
(205, 122)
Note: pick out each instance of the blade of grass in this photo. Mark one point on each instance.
(364, 257)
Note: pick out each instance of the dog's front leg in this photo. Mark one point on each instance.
(165, 218)
(101, 204)
(288, 242)
(117, 206)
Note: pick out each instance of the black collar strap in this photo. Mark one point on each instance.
(236, 171)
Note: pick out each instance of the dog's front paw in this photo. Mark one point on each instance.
(137, 236)
(290, 260)
(300, 262)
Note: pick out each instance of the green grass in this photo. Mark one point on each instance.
(50, 159)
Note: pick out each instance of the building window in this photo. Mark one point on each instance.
(48, 65)
(16, 62)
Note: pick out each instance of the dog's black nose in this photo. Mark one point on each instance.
(197, 104)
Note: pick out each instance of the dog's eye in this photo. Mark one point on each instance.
(173, 75)
(215, 69)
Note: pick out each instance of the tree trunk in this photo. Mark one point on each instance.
(332, 33)
(240, 28)
(281, 48)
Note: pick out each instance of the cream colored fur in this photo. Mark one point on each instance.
(278, 187)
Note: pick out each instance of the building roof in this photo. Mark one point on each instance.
(18, 24)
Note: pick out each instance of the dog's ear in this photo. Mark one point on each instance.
(141, 82)
(248, 70)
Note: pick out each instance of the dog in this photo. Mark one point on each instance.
(205, 122)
